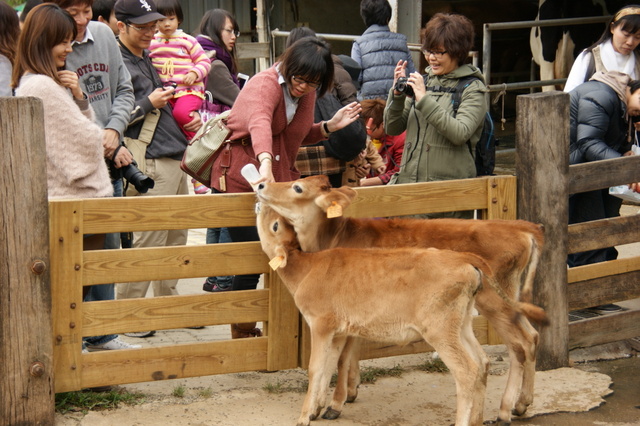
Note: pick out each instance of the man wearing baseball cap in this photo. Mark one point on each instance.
(137, 25)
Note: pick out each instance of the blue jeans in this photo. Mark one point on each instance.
(105, 291)
(219, 235)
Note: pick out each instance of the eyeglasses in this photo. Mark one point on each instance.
(147, 29)
(437, 54)
(301, 80)
(232, 31)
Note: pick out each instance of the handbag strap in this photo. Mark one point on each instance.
(149, 126)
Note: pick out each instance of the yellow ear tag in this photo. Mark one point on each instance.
(334, 210)
(276, 262)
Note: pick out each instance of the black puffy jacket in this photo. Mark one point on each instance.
(599, 128)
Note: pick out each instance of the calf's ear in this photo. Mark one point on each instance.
(283, 255)
(337, 196)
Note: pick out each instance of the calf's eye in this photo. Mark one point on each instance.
(297, 189)
(275, 226)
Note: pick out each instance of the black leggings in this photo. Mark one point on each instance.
(238, 235)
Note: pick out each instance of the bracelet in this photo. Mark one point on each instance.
(266, 158)
(326, 127)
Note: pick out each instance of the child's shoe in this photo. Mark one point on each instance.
(198, 187)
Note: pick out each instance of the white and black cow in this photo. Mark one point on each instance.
(555, 48)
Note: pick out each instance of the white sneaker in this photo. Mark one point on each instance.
(113, 345)
(141, 333)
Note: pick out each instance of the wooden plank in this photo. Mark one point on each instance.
(597, 270)
(107, 266)
(65, 242)
(168, 212)
(252, 50)
(170, 362)
(542, 165)
(604, 233)
(501, 198)
(170, 312)
(605, 329)
(408, 199)
(607, 289)
(26, 352)
(603, 174)
(283, 327)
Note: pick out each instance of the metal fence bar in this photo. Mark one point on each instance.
(486, 38)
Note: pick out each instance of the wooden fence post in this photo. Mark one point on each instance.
(542, 167)
(26, 364)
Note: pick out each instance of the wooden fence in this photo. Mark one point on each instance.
(545, 182)
(72, 268)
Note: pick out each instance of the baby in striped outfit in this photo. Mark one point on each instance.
(180, 61)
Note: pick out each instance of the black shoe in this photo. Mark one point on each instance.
(214, 287)
(608, 308)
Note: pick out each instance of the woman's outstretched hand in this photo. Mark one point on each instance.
(344, 116)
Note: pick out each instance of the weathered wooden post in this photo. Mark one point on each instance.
(26, 364)
(542, 167)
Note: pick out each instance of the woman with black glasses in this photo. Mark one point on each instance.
(270, 119)
(439, 141)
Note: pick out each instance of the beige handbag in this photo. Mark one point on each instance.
(138, 147)
(203, 149)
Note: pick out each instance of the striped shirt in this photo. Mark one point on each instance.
(174, 56)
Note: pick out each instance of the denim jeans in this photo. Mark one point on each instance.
(105, 291)
(219, 235)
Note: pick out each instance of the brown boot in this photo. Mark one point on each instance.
(244, 330)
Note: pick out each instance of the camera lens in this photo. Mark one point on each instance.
(402, 86)
(135, 177)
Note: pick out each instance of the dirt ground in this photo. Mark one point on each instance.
(414, 398)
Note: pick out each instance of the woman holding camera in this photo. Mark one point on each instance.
(438, 142)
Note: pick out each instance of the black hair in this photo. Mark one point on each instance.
(212, 25)
(309, 58)
(170, 7)
(634, 85)
(375, 12)
(298, 33)
(629, 23)
(102, 8)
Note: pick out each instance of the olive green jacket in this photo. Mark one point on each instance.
(436, 144)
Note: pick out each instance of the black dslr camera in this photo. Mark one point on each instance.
(402, 86)
(135, 177)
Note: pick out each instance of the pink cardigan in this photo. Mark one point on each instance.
(259, 112)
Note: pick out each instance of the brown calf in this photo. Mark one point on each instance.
(511, 248)
(429, 296)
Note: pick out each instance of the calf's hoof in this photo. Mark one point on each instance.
(351, 398)
(498, 422)
(331, 414)
(519, 409)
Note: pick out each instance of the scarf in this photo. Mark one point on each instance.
(222, 54)
(613, 60)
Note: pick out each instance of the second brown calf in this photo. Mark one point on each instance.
(430, 295)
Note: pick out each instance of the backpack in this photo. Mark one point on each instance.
(485, 156)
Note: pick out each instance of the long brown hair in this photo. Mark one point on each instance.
(46, 26)
(212, 24)
(9, 31)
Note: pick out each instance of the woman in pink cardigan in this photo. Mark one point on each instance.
(270, 119)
